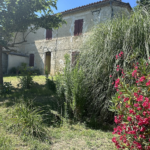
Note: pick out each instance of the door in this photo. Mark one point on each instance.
(48, 62)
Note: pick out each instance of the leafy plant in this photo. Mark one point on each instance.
(26, 79)
(132, 104)
(70, 86)
(28, 120)
(6, 88)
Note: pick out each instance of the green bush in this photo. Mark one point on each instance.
(26, 79)
(28, 120)
(132, 104)
(13, 71)
(6, 88)
(50, 84)
(70, 87)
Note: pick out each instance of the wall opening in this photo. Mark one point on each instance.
(48, 62)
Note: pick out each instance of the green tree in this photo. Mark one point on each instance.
(17, 15)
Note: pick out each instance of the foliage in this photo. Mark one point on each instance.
(26, 79)
(13, 70)
(132, 105)
(50, 84)
(11, 20)
(21, 16)
(97, 58)
(69, 86)
(28, 120)
(6, 88)
(144, 2)
(5, 143)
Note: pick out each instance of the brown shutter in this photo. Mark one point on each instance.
(80, 26)
(75, 56)
(48, 34)
(31, 60)
(76, 27)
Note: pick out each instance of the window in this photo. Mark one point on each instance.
(75, 56)
(78, 26)
(31, 60)
(48, 34)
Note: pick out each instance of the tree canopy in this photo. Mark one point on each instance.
(17, 15)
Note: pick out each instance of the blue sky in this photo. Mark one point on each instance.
(63, 5)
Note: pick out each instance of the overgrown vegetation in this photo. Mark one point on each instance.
(99, 59)
(36, 118)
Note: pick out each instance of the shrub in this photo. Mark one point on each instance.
(132, 106)
(50, 84)
(70, 86)
(13, 70)
(28, 120)
(6, 88)
(26, 79)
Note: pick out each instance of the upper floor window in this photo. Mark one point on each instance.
(31, 60)
(78, 26)
(48, 34)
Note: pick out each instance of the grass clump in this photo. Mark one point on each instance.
(27, 120)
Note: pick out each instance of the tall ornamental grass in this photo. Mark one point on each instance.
(117, 42)
(129, 35)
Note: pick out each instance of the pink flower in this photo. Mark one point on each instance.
(129, 118)
(134, 73)
(136, 67)
(139, 108)
(110, 76)
(148, 83)
(117, 69)
(116, 56)
(136, 105)
(143, 129)
(140, 98)
(126, 99)
(114, 139)
(121, 54)
(142, 78)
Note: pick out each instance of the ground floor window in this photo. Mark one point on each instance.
(31, 60)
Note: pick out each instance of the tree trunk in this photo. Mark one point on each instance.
(1, 69)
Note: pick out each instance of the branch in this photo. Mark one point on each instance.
(28, 34)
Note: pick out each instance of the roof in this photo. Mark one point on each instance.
(99, 3)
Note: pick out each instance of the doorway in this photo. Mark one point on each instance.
(48, 62)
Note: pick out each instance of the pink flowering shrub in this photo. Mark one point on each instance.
(132, 107)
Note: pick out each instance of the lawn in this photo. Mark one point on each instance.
(61, 133)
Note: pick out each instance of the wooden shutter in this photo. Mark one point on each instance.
(76, 27)
(48, 34)
(31, 60)
(80, 26)
(75, 56)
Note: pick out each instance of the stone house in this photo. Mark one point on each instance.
(46, 48)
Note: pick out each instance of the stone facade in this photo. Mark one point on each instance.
(63, 40)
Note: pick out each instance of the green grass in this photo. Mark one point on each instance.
(14, 116)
